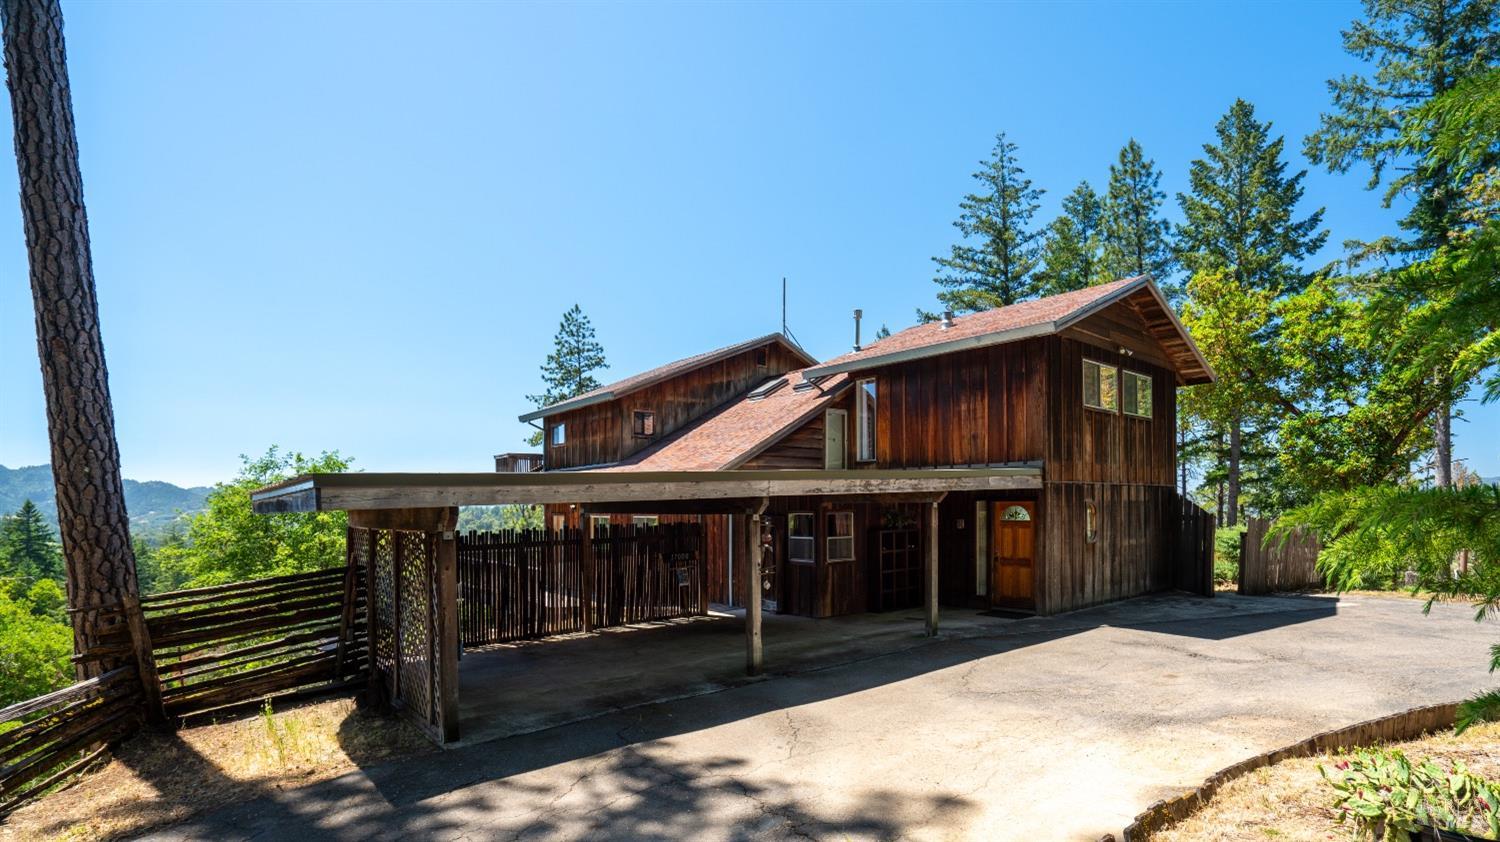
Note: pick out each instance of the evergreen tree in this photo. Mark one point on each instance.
(28, 547)
(569, 369)
(882, 333)
(1137, 238)
(1073, 255)
(994, 264)
(1242, 242)
(1422, 50)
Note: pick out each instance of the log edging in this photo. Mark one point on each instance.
(1406, 725)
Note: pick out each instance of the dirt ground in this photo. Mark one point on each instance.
(156, 780)
(1291, 801)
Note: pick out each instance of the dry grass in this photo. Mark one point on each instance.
(157, 780)
(1290, 801)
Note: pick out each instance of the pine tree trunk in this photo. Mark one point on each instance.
(80, 421)
(1232, 504)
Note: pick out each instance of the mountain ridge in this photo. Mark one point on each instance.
(152, 505)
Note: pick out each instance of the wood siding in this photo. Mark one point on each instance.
(1090, 445)
(1130, 555)
(601, 434)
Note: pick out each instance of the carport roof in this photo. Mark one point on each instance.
(364, 491)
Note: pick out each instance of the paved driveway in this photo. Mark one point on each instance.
(1060, 728)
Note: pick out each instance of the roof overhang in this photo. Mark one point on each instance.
(363, 491)
(1031, 331)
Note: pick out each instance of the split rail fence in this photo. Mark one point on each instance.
(518, 585)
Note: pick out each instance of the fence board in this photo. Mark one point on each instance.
(1273, 565)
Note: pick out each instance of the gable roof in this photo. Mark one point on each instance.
(729, 436)
(636, 382)
(1026, 319)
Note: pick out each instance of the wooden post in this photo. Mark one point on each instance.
(587, 523)
(140, 642)
(930, 569)
(447, 628)
(754, 656)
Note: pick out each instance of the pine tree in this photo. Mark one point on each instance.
(883, 332)
(28, 547)
(569, 369)
(1421, 50)
(1242, 242)
(1137, 238)
(994, 264)
(1073, 254)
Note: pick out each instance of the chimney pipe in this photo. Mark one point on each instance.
(858, 314)
(947, 319)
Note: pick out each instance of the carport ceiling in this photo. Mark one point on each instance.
(363, 491)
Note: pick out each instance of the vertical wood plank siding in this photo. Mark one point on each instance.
(601, 433)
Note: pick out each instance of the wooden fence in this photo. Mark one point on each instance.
(1269, 566)
(1193, 547)
(46, 740)
(516, 585)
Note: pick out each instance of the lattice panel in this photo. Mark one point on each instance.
(418, 612)
(383, 604)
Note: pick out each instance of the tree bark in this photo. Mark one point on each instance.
(1232, 494)
(91, 515)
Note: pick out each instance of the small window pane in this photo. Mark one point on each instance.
(644, 520)
(1101, 386)
(801, 543)
(865, 397)
(559, 433)
(840, 536)
(982, 548)
(1015, 513)
(1136, 390)
(644, 423)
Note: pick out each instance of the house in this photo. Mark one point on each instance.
(1074, 395)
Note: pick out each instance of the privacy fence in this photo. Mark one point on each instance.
(1193, 547)
(1277, 564)
(516, 585)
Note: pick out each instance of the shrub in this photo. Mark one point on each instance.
(1227, 554)
(1387, 796)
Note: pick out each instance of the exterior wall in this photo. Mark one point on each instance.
(601, 433)
(1130, 555)
(1090, 445)
(804, 448)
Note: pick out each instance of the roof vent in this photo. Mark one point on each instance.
(767, 388)
(858, 314)
(947, 319)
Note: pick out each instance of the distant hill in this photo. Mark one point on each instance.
(152, 506)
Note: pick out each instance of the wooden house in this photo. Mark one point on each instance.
(1078, 390)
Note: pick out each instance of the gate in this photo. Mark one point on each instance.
(525, 584)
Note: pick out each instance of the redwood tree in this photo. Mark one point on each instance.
(80, 421)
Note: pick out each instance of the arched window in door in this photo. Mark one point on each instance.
(1015, 513)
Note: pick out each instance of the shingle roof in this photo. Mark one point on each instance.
(745, 426)
(1038, 317)
(620, 388)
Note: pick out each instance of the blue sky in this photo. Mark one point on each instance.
(356, 226)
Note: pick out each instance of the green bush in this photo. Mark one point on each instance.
(1384, 795)
(1227, 554)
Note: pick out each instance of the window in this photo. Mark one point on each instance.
(559, 434)
(601, 524)
(1015, 513)
(801, 543)
(865, 419)
(1101, 386)
(643, 424)
(982, 548)
(762, 357)
(1135, 390)
(1090, 522)
(645, 520)
(834, 423)
(840, 536)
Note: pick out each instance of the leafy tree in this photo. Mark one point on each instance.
(1243, 242)
(496, 518)
(1137, 238)
(35, 648)
(994, 265)
(1421, 50)
(28, 547)
(1073, 254)
(228, 542)
(569, 370)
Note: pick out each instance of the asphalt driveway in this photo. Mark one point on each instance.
(1059, 728)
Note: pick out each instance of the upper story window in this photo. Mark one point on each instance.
(801, 543)
(762, 357)
(643, 424)
(1101, 386)
(1135, 392)
(864, 396)
(559, 434)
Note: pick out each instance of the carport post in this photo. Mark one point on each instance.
(754, 659)
(930, 568)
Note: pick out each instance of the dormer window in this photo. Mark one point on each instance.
(559, 434)
(643, 424)
(762, 357)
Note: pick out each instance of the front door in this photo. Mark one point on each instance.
(835, 422)
(1012, 554)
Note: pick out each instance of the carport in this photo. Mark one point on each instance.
(402, 540)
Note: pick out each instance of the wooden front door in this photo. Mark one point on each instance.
(1012, 554)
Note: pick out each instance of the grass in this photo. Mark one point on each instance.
(161, 779)
(1290, 800)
